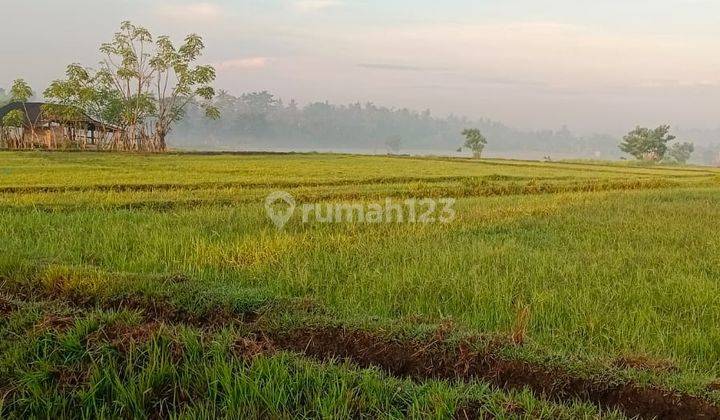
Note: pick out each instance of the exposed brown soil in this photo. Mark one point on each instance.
(158, 308)
(439, 360)
(434, 358)
(55, 323)
(646, 363)
(714, 386)
(253, 346)
(71, 377)
(475, 409)
(123, 336)
(471, 410)
(6, 306)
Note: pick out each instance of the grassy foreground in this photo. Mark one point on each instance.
(156, 286)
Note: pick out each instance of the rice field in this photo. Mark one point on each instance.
(156, 286)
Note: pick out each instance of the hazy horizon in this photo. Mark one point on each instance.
(596, 67)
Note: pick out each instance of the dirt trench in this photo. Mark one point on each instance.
(434, 358)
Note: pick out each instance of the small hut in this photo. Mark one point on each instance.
(50, 126)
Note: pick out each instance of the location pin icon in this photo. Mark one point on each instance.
(279, 217)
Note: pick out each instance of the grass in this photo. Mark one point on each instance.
(589, 262)
(185, 373)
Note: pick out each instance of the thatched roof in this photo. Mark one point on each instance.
(32, 111)
(35, 115)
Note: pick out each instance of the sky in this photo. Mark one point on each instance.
(596, 66)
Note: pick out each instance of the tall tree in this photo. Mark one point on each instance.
(155, 81)
(475, 141)
(86, 92)
(260, 103)
(178, 82)
(647, 144)
(681, 152)
(126, 65)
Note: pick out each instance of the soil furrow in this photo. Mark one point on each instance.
(423, 360)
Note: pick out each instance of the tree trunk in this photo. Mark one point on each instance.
(161, 131)
(160, 141)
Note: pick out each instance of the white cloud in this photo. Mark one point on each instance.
(313, 5)
(202, 11)
(246, 63)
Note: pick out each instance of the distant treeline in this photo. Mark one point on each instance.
(260, 119)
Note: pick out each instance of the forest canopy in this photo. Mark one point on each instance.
(261, 120)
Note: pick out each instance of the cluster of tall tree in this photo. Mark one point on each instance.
(262, 120)
(145, 86)
(141, 89)
(653, 145)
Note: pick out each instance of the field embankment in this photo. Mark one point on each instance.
(155, 285)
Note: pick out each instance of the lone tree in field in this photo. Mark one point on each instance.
(647, 144)
(680, 152)
(143, 86)
(475, 141)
